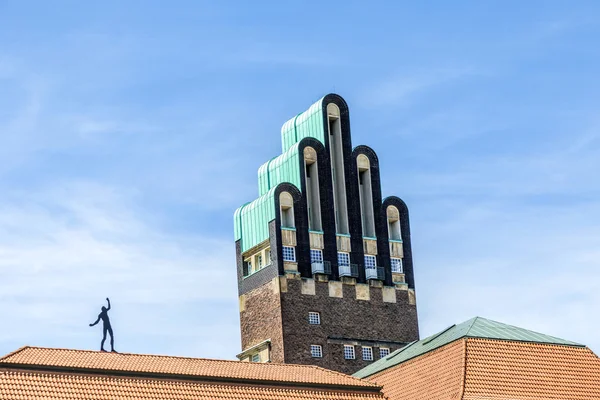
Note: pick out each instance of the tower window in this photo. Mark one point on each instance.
(367, 353)
(289, 253)
(314, 318)
(393, 217)
(348, 352)
(256, 358)
(312, 189)
(365, 191)
(343, 259)
(316, 351)
(370, 261)
(286, 204)
(396, 265)
(316, 256)
(384, 352)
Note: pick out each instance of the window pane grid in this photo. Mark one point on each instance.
(316, 256)
(370, 261)
(396, 265)
(367, 353)
(343, 259)
(316, 351)
(348, 352)
(314, 318)
(289, 253)
(383, 352)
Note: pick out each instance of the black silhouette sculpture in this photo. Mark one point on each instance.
(106, 327)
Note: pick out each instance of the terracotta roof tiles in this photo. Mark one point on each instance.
(21, 385)
(196, 367)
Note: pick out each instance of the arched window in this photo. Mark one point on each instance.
(286, 205)
(393, 218)
(365, 191)
(312, 189)
(337, 168)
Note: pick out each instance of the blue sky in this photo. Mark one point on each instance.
(130, 131)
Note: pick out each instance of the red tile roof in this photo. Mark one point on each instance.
(59, 374)
(475, 369)
(22, 385)
(167, 365)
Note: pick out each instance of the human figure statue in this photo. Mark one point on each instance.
(106, 327)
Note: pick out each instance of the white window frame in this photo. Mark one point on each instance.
(399, 261)
(293, 253)
(349, 353)
(314, 318)
(370, 261)
(316, 351)
(316, 256)
(367, 353)
(383, 350)
(342, 258)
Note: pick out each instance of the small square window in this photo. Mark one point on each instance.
(384, 352)
(316, 256)
(367, 353)
(316, 351)
(343, 259)
(256, 358)
(289, 253)
(348, 352)
(370, 261)
(396, 265)
(314, 318)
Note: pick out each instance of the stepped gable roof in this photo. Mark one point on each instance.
(477, 327)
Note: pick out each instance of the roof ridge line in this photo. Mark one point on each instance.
(285, 365)
(471, 325)
(12, 353)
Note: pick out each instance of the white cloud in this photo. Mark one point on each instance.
(63, 250)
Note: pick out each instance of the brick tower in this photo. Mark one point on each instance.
(325, 271)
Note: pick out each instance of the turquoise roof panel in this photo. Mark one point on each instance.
(252, 220)
(285, 168)
(474, 328)
(307, 124)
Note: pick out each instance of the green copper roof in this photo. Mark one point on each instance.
(284, 168)
(474, 328)
(251, 221)
(307, 124)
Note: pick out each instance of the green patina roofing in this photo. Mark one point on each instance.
(474, 328)
(284, 168)
(307, 124)
(251, 221)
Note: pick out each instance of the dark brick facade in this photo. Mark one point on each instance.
(343, 321)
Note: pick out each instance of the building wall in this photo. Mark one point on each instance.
(345, 319)
(260, 318)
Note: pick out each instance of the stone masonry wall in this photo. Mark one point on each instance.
(260, 318)
(344, 320)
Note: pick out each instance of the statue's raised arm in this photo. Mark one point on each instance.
(108, 301)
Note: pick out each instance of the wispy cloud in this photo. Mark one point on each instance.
(64, 249)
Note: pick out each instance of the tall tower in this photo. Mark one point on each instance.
(325, 271)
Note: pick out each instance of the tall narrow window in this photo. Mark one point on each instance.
(366, 195)
(286, 204)
(312, 189)
(337, 168)
(393, 217)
